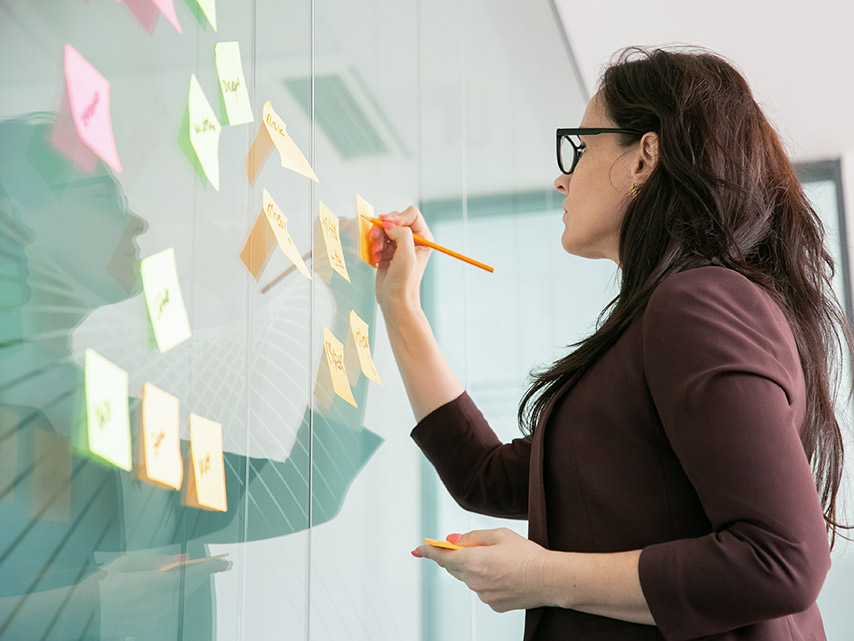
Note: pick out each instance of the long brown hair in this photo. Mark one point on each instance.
(723, 193)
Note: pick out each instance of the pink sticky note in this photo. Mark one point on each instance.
(167, 7)
(89, 95)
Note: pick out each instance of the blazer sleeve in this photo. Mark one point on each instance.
(724, 373)
(482, 474)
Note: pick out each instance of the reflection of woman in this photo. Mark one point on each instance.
(664, 475)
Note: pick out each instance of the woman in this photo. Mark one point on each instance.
(666, 470)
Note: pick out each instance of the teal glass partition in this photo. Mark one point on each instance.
(121, 138)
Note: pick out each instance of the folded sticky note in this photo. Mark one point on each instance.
(332, 372)
(204, 131)
(164, 300)
(167, 7)
(364, 211)
(332, 241)
(274, 133)
(209, 8)
(279, 224)
(160, 462)
(358, 351)
(232, 84)
(89, 98)
(107, 434)
(206, 483)
(259, 246)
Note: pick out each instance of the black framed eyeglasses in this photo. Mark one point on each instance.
(569, 150)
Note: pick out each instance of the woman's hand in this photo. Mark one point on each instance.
(507, 571)
(401, 262)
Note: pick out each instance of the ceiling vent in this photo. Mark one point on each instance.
(347, 115)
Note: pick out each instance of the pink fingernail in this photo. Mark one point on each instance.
(453, 538)
(416, 554)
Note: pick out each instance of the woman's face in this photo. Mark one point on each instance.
(596, 194)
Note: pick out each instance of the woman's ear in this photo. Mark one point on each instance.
(647, 158)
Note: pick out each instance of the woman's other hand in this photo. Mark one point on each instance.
(400, 262)
(505, 570)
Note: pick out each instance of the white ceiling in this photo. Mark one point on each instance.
(797, 56)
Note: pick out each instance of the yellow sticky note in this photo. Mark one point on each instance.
(333, 368)
(274, 133)
(364, 210)
(160, 462)
(206, 483)
(332, 241)
(163, 298)
(357, 351)
(232, 84)
(279, 224)
(204, 131)
(259, 246)
(209, 9)
(108, 421)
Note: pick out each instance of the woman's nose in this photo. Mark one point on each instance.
(562, 183)
(138, 224)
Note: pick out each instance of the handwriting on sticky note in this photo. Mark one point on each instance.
(163, 297)
(206, 486)
(235, 96)
(161, 461)
(89, 98)
(204, 131)
(334, 350)
(274, 134)
(108, 421)
(332, 241)
(279, 224)
(167, 7)
(359, 330)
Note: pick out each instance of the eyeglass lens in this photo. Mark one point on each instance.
(568, 154)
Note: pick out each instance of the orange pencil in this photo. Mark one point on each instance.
(427, 243)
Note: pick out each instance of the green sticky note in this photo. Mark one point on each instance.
(204, 131)
(232, 84)
(108, 421)
(209, 7)
(164, 300)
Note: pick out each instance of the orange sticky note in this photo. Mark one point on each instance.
(167, 7)
(89, 98)
(259, 246)
(51, 477)
(273, 133)
(364, 211)
(436, 543)
(206, 483)
(357, 351)
(160, 462)
(332, 241)
(333, 375)
(279, 224)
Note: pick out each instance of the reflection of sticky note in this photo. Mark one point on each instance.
(259, 246)
(108, 422)
(232, 84)
(274, 133)
(364, 210)
(334, 361)
(204, 131)
(161, 443)
(9, 455)
(209, 8)
(332, 241)
(206, 482)
(89, 97)
(167, 7)
(51, 477)
(362, 347)
(164, 300)
(279, 224)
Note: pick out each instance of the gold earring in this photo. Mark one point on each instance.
(634, 191)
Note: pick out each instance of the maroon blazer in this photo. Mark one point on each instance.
(681, 441)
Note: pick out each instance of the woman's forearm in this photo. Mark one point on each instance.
(430, 382)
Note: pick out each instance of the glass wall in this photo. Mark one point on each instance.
(179, 457)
